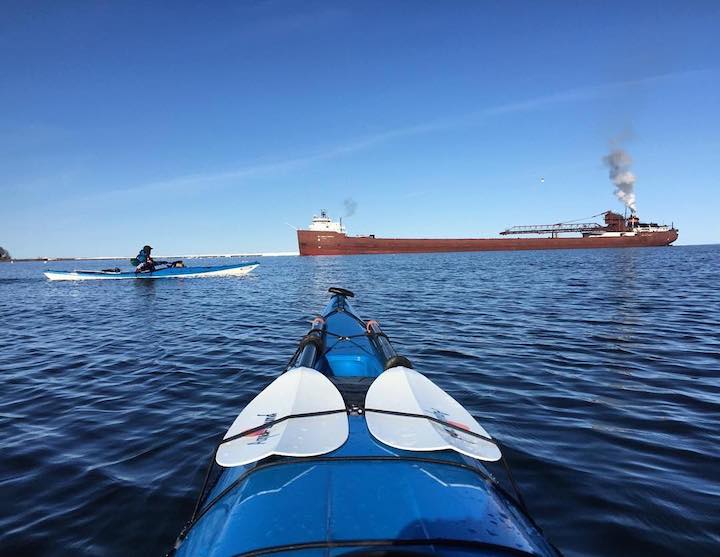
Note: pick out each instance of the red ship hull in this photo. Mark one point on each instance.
(335, 243)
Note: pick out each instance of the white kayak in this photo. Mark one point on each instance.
(236, 270)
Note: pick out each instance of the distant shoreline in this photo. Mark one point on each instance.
(214, 256)
(158, 257)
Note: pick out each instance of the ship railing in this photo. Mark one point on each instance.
(554, 228)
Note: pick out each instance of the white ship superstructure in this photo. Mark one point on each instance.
(323, 223)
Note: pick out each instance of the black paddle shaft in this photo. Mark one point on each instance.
(312, 344)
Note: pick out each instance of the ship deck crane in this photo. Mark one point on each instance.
(554, 228)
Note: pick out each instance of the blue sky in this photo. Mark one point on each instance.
(205, 128)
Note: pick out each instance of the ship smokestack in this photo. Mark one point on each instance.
(618, 162)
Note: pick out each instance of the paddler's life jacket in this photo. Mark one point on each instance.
(141, 258)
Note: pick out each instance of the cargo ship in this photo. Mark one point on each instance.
(325, 236)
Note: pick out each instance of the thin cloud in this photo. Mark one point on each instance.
(192, 181)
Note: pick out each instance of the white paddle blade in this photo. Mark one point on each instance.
(400, 389)
(298, 391)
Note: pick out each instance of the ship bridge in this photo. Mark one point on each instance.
(323, 223)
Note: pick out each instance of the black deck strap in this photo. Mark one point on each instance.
(422, 542)
(293, 358)
(350, 338)
(436, 420)
(208, 472)
(345, 336)
(519, 496)
(279, 420)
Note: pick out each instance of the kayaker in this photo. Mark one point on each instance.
(145, 261)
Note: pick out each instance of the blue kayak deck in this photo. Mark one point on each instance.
(363, 492)
(365, 497)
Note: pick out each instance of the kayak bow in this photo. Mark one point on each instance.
(235, 270)
(351, 451)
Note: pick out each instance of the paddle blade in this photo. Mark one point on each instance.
(401, 389)
(298, 391)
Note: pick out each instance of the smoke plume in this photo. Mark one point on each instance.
(618, 163)
(350, 207)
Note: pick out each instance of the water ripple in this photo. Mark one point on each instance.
(598, 371)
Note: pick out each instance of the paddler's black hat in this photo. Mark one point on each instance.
(147, 249)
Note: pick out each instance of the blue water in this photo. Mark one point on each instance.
(599, 370)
